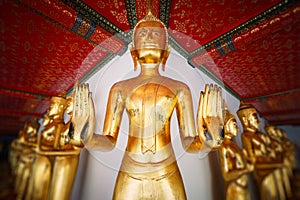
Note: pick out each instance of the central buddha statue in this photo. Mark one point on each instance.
(149, 168)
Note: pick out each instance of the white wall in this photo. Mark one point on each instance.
(97, 171)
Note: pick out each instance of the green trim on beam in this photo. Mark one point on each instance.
(260, 98)
(25, 94)
(164, 11)
(98, 66)
(97, 18)
(94, 70)
(131, 12)
(174, 44)
(215, 78)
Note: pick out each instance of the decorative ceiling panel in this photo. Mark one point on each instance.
(39, 55)
(279, 108)
(265, 66)
(141, 8)
(114, 12)
(12, 105)
(206, 20)
(53, 10)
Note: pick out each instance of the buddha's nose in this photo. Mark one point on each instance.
(149, 37)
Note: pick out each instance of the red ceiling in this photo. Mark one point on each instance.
(250, 46)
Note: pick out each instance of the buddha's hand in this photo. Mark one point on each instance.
(250, 167)
(210, 118)
(250, 160)
(83, 118)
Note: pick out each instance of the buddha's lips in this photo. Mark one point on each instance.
(150, 45)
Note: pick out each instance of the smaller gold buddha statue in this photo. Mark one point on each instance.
(233, 161)
(281, 173)
(26, 155)
(289, 151)
(56, 158)
(259, 152)
(16, 149)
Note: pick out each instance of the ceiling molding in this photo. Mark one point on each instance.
(265, 97)
(18, 113)
(96, 68)
(23, 94)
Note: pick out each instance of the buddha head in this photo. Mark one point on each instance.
(271, 130)
(23, 130)
(150, 41)
(32, 130)
(69, 105)
(230, 127)
(248, 116)
(57, 105)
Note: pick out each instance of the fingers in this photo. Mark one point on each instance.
(205, 100)
(81, 98)
(220, 104)
(84, 98)
(75, 99)
(213, 102)
(200, 114)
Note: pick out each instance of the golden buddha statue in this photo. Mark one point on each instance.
(281, 174)
(259, 152)
(56, 161)
(16, 149)
(289, 151)
(233, 161)
(149, 168)
(26, 153)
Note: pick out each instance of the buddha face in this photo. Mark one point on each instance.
(280, 133)
(272, 132)
(31, 133)
(56, 108)
(46, 120)
(231, 128)
(69, 108)
(150, 41)
(253, 120)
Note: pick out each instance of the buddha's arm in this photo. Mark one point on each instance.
(50, 136)
(247, 145)
(268, 165)
(184, 109)
(114, 112)
(230, 174)
(58, 153)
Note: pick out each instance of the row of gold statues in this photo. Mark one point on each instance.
(269, 157)
(44, 163)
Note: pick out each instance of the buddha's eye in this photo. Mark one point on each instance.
(142, 34)
(156, 33)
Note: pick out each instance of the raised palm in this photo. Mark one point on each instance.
(83, 113)
(210, 118)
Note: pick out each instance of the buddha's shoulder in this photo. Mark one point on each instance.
(162, 81)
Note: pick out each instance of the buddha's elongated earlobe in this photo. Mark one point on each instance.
(134, 57)
(165, 56)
